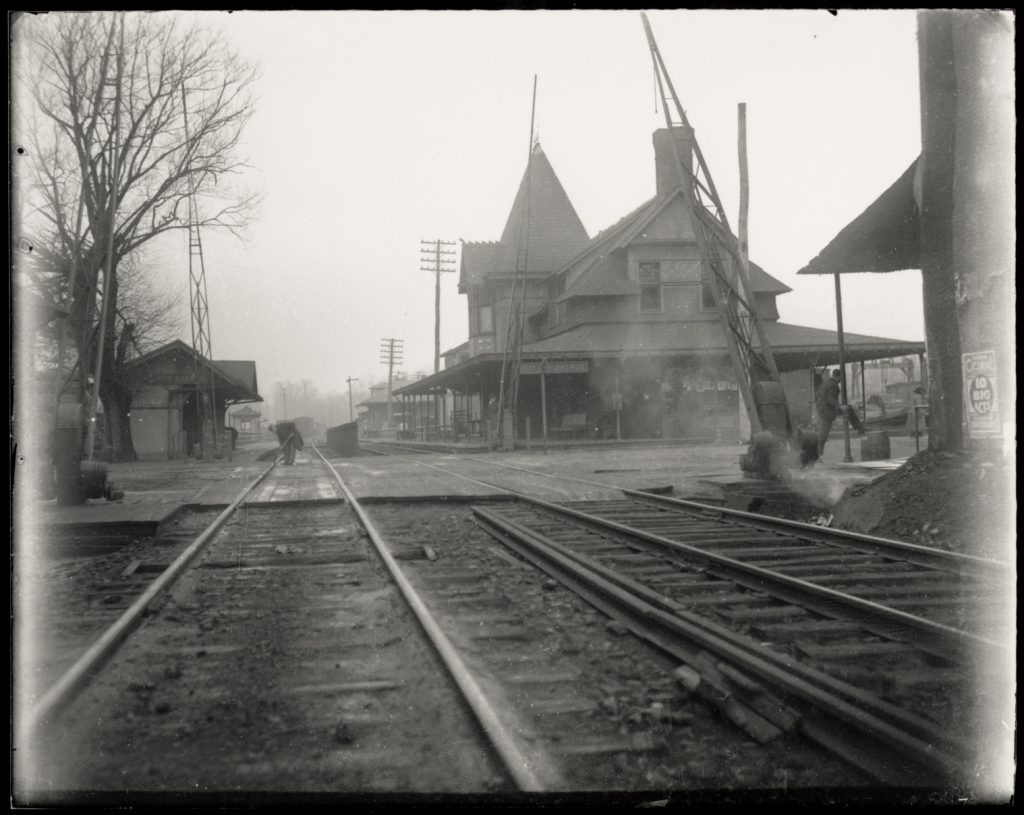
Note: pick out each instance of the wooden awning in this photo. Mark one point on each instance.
(883, 238)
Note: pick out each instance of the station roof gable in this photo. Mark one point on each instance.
(661, 218)
(171, 365)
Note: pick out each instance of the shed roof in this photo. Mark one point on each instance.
(885, 237)
(236, 379)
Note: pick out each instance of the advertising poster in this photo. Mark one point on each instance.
(980, 395)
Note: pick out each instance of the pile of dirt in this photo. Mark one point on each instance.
(963, 502)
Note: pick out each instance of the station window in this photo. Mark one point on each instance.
(650, 286)
(486, 320)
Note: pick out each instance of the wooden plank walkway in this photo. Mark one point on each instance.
(305, 481)
(142, 511)
(378, 479)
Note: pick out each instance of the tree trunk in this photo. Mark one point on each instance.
(117, 403)
(938, 108)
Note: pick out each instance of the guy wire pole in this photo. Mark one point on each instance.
(115, 162)
(744, 187)
(508, 385)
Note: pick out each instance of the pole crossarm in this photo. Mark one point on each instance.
(442, 261)
(391, 353)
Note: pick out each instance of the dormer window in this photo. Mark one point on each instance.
(650, 285)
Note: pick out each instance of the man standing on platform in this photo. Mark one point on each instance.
(826, 400)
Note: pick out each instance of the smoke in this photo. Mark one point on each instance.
(823, 489)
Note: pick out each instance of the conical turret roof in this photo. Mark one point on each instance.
(555, 233)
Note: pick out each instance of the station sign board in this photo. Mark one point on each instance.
(980, 395)
(559, 366)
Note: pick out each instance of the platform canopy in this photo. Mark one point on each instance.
(795, 347)
(885, 237)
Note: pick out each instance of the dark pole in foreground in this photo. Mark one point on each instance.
(842, 369)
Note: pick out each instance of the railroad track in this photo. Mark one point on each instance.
(266, 587)
(868, 646)
(275, 649)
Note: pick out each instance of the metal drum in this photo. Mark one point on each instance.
(875, 446)
(770, 399)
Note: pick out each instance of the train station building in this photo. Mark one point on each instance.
(164, 413)
(621, 336)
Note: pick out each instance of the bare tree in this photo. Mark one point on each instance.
(138, 115)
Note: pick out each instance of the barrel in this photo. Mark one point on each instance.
(875, 446)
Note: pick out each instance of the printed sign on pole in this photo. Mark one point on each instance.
(980, 395)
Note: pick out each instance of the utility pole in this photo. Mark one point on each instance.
(351, 412)
(391, 353)
(441, 260)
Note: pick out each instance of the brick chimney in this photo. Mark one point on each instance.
(667, 176)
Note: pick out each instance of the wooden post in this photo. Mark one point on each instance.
(714, 407)
(863, 391)
(543, 406)
(618, 401)
(847, 456)
(813, 412)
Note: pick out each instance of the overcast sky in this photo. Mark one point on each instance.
(376, 130)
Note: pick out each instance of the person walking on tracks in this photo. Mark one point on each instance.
(289, 438)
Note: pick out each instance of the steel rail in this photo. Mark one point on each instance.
(526, 770)
(955, 562)
(907, 734)
(78, 675)
(909, 552)
(927, 635)
(826, 733)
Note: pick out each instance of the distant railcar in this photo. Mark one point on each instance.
(306, 426)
